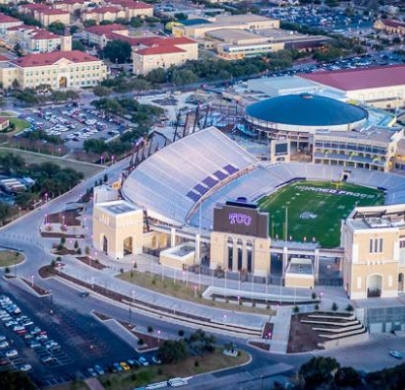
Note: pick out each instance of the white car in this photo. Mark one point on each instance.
(11, 353)
(4, 344)
(26, 367)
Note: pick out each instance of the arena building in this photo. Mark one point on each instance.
(297, 117)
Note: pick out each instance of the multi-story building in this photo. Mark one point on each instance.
(390, 26)
(118, 9)
(373, 148)
(7, 22)
(380, 86)
(59, 69)
(102, 34)
(69, 5)
(134, 8)
(373, 239)
(45, 14)
(234, 22)
(162, 53)
(31, 39)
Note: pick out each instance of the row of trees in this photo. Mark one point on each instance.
(42, 93)
(326, 373)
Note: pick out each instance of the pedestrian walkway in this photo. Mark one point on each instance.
(281, 330)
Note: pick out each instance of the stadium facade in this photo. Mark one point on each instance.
(185, 196)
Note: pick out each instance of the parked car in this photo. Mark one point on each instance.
(396, 355)
(143, 361)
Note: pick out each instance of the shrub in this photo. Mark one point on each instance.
(181, 333)
(316, 307)
(296, 309)
(313, 295)
(349, 308)
(78, 251)
(150, 329)
(140, 342)
(196, 363)
(335, 306)
(6, 270)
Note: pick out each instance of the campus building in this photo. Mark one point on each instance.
(234, 22)
(117, 228)
(59, 69)
(382, 87)
(372, 148)
(162, 53)
(374, 243)
(31, 39)
(390, 26)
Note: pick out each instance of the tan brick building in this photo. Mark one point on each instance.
(60, 69)
(117, 228)
(374, 248)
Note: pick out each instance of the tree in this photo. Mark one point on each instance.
(181, 16)
(15, 380)
(101, 91)
(117, 51)
(173, 351)
(136, 22)
(317, 371)
(182, 77)
(57, 28)
(156, 76)
(89, 23)
(347, 377)
(201, 343)
(77, 45)
(18, 49)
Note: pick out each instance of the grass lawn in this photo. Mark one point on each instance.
(88, 170)
(20, 124)
(315, 214)
(9, 258)
(6, 113)
(183, 291)
(129, 380)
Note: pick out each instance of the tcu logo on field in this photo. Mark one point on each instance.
(239, 218)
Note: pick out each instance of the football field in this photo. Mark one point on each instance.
(309, 211)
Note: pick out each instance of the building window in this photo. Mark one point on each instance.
(402, 244)
(376, 245)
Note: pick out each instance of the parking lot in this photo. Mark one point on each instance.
(317, 17)
(73, 124)
(55, 345)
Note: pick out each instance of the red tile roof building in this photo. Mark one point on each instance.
(390, 26)
(70, 69)
(116, 9)
(7, 22)
(156, 52)
(45, 14)
(381, 86)
(31, 39)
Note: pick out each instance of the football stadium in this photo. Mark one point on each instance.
(205, 200)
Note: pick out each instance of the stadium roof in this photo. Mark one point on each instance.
(354, 79)
(306, 110)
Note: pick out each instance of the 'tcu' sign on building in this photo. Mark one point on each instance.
(242, 218)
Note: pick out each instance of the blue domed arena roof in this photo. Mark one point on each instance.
(306, 110)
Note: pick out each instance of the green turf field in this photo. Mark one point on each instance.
(312, 213)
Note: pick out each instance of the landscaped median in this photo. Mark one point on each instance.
(188, 368)
(186, 291)
(9, 258)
